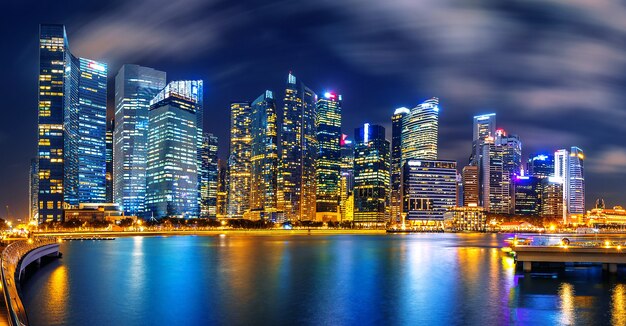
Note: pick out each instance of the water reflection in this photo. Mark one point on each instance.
(446, 279)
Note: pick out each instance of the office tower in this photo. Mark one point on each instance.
(471, 188)
(552, 197)
(221, 202)
(346, 184)
(371, 175)
(172, 165)
(328, 167)
(568, 167)
(33, 190)
(484, 127)
(71, 123)
(296, 178)
(512, 152)
(429, 188)
(109, 161)
(540, 165)
(135, 87)
(459, 190)
(208, 176)
(264, 159)
(395, 198)
(420, 128)
(527, 196)
(239, 168)
(495, 180)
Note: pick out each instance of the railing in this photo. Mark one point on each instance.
(11, 257)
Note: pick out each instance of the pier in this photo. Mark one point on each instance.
(610, 256)
(15, 258)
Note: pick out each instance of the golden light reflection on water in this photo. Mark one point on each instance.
(58, 287)
(618, 305)
(566, 295)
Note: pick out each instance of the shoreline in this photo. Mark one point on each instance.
(211, 233)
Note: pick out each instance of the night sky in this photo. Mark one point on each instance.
(552, 70)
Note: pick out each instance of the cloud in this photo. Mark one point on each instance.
(611, 160)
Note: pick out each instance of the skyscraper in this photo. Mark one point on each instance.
(527, 195)
(328, 167)
(420, 131)
(109, 161)
(371, 175)
(221, 203)
(495, 180)
(484, 127)
(172, 166)
(135, 87)
(296, 177)
(347, 175)
(512, 152)
(239, 160)
(33, 190)
(395, 198)
(209, 176)
(540, 165)
(568, 167)
(471, 187)
(264, 159)
(552, 197)
(429, 190)
(71, 123)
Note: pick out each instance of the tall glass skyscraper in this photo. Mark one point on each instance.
(208, 179)
(172, 165)
(495, 180)
(420, 131)
(135, 87)
(109, 161)
(296, 178)
(569, 167)
(371, 175)
(239, 160)
(72, 126)
(395, 201)
(484, 127)
(329, 158)
(512, 156)
(347, 176)
(540, 165)
(429, 190)
(264, 159)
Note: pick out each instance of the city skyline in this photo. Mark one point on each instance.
(600, 140)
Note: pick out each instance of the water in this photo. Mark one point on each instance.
(417, 279)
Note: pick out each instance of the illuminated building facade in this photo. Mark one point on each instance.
(135, 87)
(420, 131)
(371, 175)
(527, 196)
(512, 152)
(395, 197)
(484, 127)
(540, 165)
(471, 186)
(221, 202)
(239, 167)
(208, 176)
(346, 183)
(109, 161)
(429, 189)
(33, 190)
(552, 197)
(495, 180)
(296, 179)
(466, 218)
(328, 166)
(172, 165)
(569, 167)
(264, 159)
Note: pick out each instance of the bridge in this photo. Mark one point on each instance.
(610, 256)
(14, 260)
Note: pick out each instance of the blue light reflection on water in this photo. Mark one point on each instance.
(445, 279)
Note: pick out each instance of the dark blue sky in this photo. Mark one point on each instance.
(553, 70)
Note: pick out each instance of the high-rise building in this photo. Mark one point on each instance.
(495, 180)
(471, 188)
(208, 176)
(568, 167)
(72, 126)
(135, 87)
(429, 190)
(239, 168)
(221, 203)
(484, 127)
(395, 197)
(33, 190)
(552, 197)
(109, 161)
(371, 175)
(172, 165)
(264, 159)
(296, 178)
(527, 196)
(420, 131)
(328, 166)
(512, 152)
(347, 175)
(540, 165)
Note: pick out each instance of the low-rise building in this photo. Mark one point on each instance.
(465, 218)
(603, 216)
